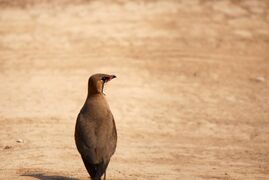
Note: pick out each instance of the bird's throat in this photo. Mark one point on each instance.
(103, 85)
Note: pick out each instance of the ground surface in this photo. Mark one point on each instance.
(191, 100)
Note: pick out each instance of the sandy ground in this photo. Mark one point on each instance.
(191, 100)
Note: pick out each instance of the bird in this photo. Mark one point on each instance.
(95, 130)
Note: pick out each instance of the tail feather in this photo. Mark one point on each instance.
(96, 171)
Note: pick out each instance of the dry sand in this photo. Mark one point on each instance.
(191, 100)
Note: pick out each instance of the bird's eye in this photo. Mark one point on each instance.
(103, 79)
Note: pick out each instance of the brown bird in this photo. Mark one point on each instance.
(95, 132)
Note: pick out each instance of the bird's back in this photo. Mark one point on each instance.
(95, 132)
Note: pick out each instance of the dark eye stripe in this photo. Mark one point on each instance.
(104, 78)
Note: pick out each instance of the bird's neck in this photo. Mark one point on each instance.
(95, 101)
(93, 96)
(94, 88)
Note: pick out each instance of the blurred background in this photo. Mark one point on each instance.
(191, 100)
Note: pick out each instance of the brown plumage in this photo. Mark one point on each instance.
(95, 133)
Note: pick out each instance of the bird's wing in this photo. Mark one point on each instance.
(95, 141)
(86, 139)
(114, 137)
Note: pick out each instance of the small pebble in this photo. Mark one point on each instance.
(19, 141)
(7, 147)
(260, 79)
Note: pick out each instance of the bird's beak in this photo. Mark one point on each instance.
(113, 76)
(109, 78)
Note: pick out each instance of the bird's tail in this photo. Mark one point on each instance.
(95, 170)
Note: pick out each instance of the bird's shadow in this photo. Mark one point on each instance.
(42, 176)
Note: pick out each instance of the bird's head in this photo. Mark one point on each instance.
(97, 82)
